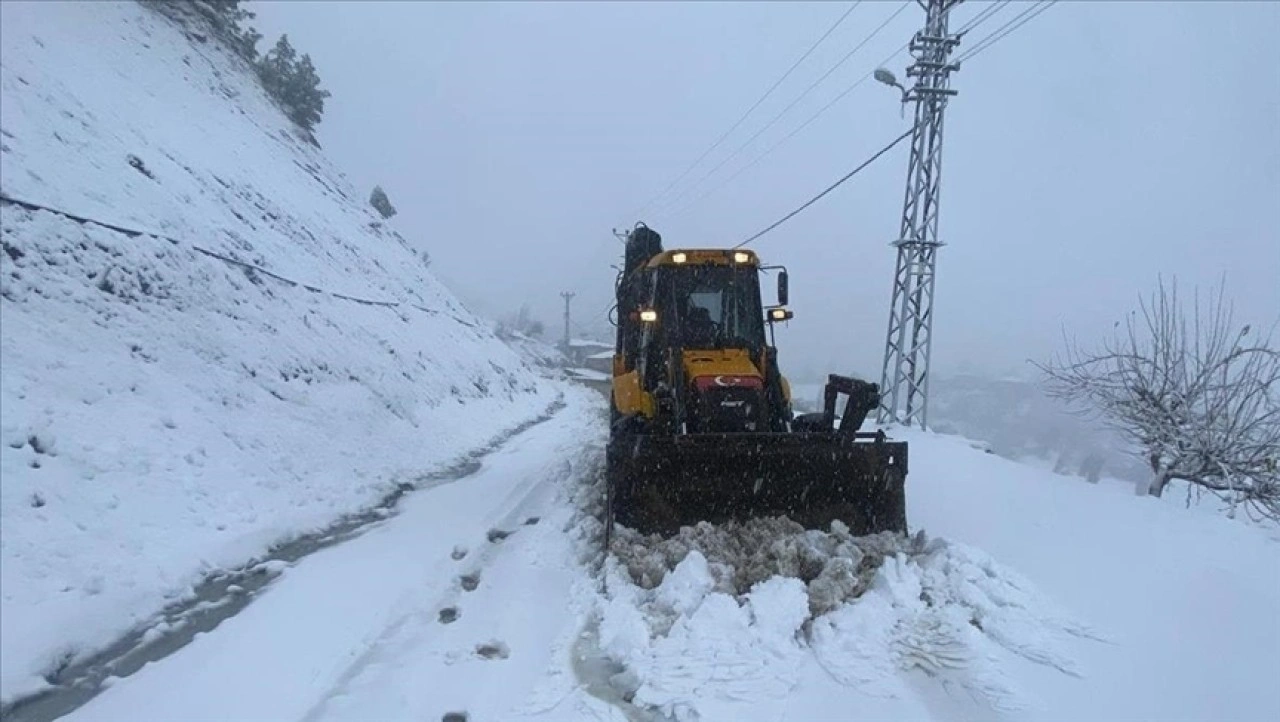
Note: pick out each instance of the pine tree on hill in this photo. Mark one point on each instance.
(277, 66)
(302, 96)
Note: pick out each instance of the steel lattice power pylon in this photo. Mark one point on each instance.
(904, 380)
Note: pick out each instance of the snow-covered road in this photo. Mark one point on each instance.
(363, 630)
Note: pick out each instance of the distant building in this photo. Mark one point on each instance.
(580, 350)
(602, 362)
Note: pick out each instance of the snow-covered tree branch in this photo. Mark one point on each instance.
(1195, 392)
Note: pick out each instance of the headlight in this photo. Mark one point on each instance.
(679, 257)
(741, 257)
(648, 315)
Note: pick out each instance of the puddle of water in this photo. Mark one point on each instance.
(598, 674)
(221, 596)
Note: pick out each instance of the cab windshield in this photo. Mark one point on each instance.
(714, 306)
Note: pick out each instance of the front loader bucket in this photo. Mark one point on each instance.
(660, 483)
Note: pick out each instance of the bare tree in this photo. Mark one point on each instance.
(1195, 392)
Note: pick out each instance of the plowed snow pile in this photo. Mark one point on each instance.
(722, 616)
(834, 566)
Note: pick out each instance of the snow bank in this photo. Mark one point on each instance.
(686, 648)
(167, 413)
(1170, 587)
(1116, 606)
(764, 619)
(719, 616)
(948, 611)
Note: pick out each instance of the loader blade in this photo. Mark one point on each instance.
(660, 483)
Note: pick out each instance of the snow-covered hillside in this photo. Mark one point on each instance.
(165, 411)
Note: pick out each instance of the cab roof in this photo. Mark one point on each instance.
(705, 256)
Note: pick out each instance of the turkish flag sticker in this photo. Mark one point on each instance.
(710, 382)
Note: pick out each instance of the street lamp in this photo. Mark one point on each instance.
(887, 77)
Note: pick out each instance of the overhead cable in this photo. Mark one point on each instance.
(999, 33)
(796, 131)
(787, 109)
(983, 16)
(750, 110)
(829, 188)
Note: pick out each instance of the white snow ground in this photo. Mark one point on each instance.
(250, 410)
(343, 627)
(1188, 601)
(164, 413)
(1105, 607)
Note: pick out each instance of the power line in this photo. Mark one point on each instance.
(789, 136)
(787, 109)
(973, 23)
(983, 16)
(755, 105)
(793, 103)
(999, 33)
(829, 188)
(1013, 24)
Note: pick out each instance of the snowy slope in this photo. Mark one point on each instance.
(534, 351)
(164, 413)
(1188, 601)
(1084, 605)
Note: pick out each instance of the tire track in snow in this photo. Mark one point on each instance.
(289, 651)
(525, 502)
(225, 593)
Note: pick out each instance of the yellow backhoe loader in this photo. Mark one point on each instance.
(701, 425)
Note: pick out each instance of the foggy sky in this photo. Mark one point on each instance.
(1100, 145)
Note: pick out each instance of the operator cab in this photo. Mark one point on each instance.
(710, 306)
(701, 339)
